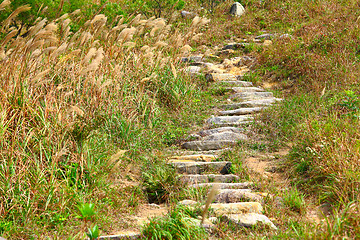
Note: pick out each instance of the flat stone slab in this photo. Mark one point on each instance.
(229, 120)
(197, 157)
(241, 111)
(247, 89)
(237, 83)
(187, 202)
(208, 145)
(237, 195)
(208, 132)
(122, 236)
(209, 178)
(230, 136)
(249, 219)
(252, 95)
(217, 77)
(236, 208)
(200, 167)
(244, 185)
(252, 103)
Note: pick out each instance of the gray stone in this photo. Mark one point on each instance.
(231, 136)
(193, 70)
(216, 178)
(229, 120)
(237, 195)
(237, 9)
(187, 202)
(235, 46)
(236, 208)
(208, 132)
(247, 89)
(187, 15)
(249, 219)
(207, 145)
(122, 236)
(241, 111)
(197, 59)
(266, 36)
(194, 158)
(243, 185)
(236, 83)
(200, 167)
(216, 77)
(252, 95)
(252, 103)
(285, 36)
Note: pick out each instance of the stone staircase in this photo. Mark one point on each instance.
(235, 201)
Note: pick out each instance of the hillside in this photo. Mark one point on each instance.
(133, 117)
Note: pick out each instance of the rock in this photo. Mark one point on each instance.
(285, 36)
(237, 9)
(237, 195)
(200, 167)
(231, 136)
(252, 95)
(229, 120)
(122, 236)
(235, 46)
(187, 202)
(195, 70)
(244, 185)
(209, 178)
(252, 103)
(237, 83)
(247, 89)
(236, 208)
(197, 59)
(266, 36)
(215, 77)
(267, 43)
(208, 132)
(207, 145)
(208, 225)
(187, 15)
(197, 157)
(241, 111)
(249, 219)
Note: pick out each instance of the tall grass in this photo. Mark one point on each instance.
(68, 99)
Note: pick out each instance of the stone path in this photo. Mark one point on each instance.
(235, 201)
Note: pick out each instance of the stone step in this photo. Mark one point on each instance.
(229, 120)
(249, 219)
(252, 95)
(243, 185)
(247, 89)
(219, 77)
(241, 111)
(208, 145)
(197, 157)
(122, 236)
(252, 103)
(237, 195)
(220, 209)
(236, 83)
(216, 178)
(204, 133)
(200, 167)
(230, 136)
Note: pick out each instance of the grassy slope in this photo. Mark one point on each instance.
(56, 156)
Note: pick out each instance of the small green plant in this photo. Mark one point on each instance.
(178, 224)
(160, 182)
(86, 211)
(294, 200)
(93, 233)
